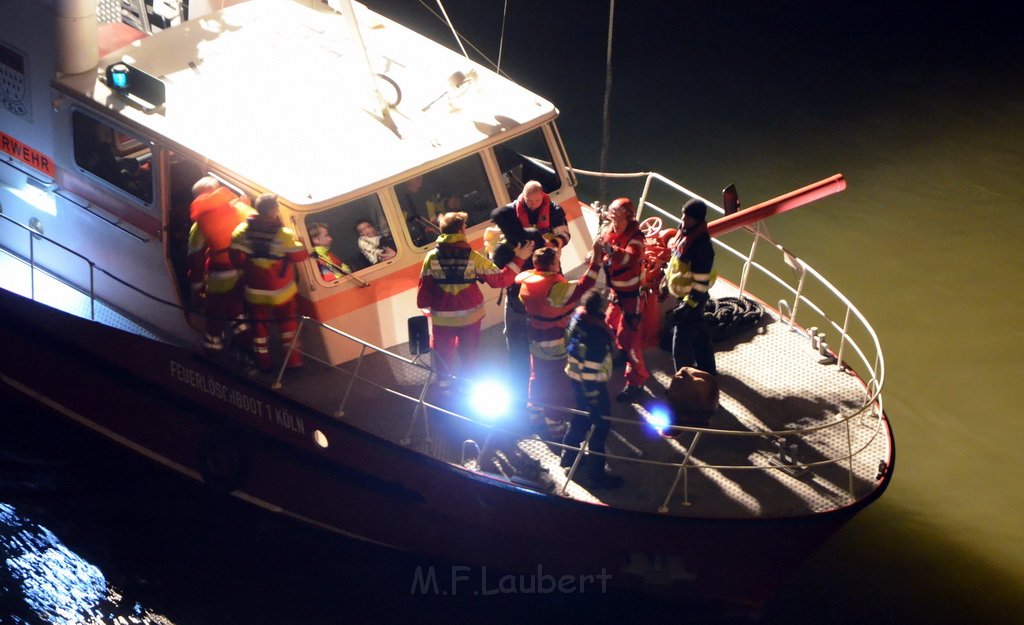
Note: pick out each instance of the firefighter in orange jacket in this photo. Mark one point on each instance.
(549, 299)
(625, 247)
(266, 252)
(215, 212)
(448, 290)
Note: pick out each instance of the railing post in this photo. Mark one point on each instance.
(681, 474)
(31, 265)
(340, 412)
(288, 353)
(750, 259)
(842, 339)
(92, 290)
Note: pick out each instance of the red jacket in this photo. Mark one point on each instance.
(448, 281)
(267, 252)
(626, 259)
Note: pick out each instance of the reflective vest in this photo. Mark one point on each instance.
(448, 281)
(689, 272)
(267, 253)
(589, 348)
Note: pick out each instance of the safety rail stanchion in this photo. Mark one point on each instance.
(681, 474)
(842, 339)
(31, 265)
(92, 290)
(351, 381)
(584, 449)
(849, 460)
(288, 354)
(750, 258)
(420, 407)
(797, 266)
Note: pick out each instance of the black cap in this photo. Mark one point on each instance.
(696, 209)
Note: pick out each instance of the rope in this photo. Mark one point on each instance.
(461, 38)
(728, 315)
(452, 26)
(501, 39)
(605, 122)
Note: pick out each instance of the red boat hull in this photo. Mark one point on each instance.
(183, 410)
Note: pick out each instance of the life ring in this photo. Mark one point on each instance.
(222, 463)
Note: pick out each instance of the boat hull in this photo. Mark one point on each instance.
(239, 436)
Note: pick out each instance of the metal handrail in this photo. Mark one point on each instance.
(875, 368)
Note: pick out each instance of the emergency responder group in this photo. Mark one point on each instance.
(241, 268)
(556, 348)
(242, 273)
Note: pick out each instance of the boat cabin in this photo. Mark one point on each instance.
(346, 125)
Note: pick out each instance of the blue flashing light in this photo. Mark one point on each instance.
(119, 76)
(659, 419)
(490, 399)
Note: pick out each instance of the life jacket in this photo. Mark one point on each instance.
(543, 214)
(217, 214)
(535, 293)
(626, 268)
(331, 267)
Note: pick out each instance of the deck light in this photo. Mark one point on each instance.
(490, 399)
(659, 418)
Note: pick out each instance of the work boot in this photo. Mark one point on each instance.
(595, 474)
(629, 393)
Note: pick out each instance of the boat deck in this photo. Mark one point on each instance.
(772, 382)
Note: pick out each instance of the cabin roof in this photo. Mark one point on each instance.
(279, 94)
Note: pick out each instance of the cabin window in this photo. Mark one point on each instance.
(350, 237)
(525, 158)
(118, 158)
(459, 186)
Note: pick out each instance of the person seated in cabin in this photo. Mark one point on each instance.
(331, 267)
(376, 247)
(413, 198)
(449, 293)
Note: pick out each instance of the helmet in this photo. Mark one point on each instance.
(623, 204)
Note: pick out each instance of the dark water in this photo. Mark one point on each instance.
(922, 108)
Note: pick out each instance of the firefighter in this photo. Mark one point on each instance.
(625, 247)
(589, 366)
(448, 290)
(215, 286)
(689, 276)
(266, 252)
(549, 299)
(531, 216)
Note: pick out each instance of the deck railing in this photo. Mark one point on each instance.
(858, 349)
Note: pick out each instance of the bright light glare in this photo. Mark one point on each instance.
(490, 399)
(659, 419)
(35, 197)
